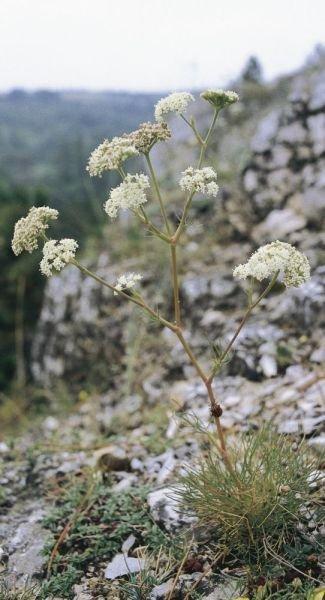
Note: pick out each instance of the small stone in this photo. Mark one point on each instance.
(250, 180)
(124, 565)
(288, 427)
(268, 365)
(127, 545)
(160, 592)
(318, 355)
(165, 509)
(51, 423)
(125, 483)
(224, 591)
(316, 126)
(82, 592)
(3, 448)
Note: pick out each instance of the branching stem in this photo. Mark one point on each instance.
(156, 186)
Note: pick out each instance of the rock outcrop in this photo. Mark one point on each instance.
(285, 177)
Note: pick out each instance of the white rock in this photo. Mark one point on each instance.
(318, 355)
(293, 133)
(278, 224)
(127, 545)
(266, 132)
(316, 126)
(268, 365)
(167, 467)
(124, 565)
(160, 592)
(165, 509)
(51, 423)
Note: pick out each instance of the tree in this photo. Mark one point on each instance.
(253, 72)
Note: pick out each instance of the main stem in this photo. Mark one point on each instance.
(177, 302)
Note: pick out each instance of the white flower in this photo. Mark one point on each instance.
(57, 254)
(219, 98)
(110, 155)
(176, 102)
(127, 281)
(200, 180)
(129, 194)
(274, 257)
(147, 135)
(29, 229)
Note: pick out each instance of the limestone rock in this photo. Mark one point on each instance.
(124, 565)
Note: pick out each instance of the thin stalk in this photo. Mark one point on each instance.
(136, 300)
(142, 215)
(243, 321)
(192, 125)
(177, 302)
(213, 403)
(173, 252)
(191, 356)
(207, 139)
(204, 146)
(156, 186)
(216, 409)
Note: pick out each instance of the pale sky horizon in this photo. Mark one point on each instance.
(148, 45)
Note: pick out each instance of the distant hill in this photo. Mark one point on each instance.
(46, 138)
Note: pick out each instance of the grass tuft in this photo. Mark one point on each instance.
(260, 505)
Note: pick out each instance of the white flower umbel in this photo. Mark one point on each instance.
(57, 254)
(176, 102)
(110, 155)
(130, 194)
(200, 180)
(29, 229)
(274, 257)
(127, 282)
(220, 98)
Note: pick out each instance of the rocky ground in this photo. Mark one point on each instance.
(127, 439)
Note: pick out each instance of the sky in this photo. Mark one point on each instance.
(149, 45)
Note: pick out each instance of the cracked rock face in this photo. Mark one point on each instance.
(285, 178)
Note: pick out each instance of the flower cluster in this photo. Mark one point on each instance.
(219, 98)
(176, 102)
(29, 229)
(127, 282)
(130, 194)
(273, 258)
(148, 135)
(110, 155)
(200, 180)
(57, 254)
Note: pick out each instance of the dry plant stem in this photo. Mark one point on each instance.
(177, 302)
(204, 144)
(150, 226)
(156, 186)
(213, 403)
(177, 311)
(138, 301)
(192, 125)
(243, 321)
